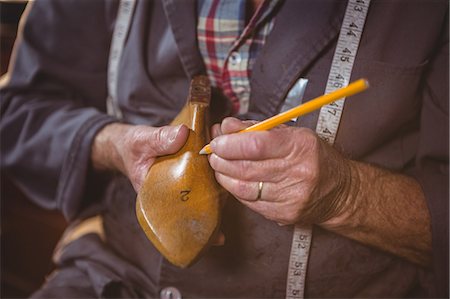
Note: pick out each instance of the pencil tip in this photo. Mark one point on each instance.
(206, 150)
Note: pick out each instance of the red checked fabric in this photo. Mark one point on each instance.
(229, 47)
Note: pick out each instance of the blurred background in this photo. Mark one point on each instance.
(28, 233)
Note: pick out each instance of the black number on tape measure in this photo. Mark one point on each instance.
(303, 237)
(298, 264)
(351, 33)
(353, 25)
(337, 84)
(333, 104)
(339, 77)
(326, 131)
(332, 111)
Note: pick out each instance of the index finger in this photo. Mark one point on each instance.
(232, 125)
(251, 145)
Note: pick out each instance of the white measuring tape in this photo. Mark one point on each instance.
(342, 65)
(123, 21)
(327, 127)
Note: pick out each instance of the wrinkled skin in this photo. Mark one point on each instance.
(304, 181)
(297, 168)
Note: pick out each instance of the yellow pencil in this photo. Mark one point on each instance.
(351, 89)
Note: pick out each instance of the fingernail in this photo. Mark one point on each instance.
(214, 143)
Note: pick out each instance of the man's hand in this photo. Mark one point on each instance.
(299, 172)
(132, 149)
(307, 181)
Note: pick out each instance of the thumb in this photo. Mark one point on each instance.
(168, 139)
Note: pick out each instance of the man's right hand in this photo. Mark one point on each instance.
(132, 149)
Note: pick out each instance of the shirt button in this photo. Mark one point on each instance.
(170, 293)
(235, 58)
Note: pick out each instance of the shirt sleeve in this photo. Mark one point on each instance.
(432, 157)
(53, 101)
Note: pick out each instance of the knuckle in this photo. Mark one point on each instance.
(283, 136)
(241, 189)
(277, 193)
(157, 134)
(255, 145)
(310, 138)
(284, 165)
(308, 174)
(245, 169)
(230, 124)
(159, 138)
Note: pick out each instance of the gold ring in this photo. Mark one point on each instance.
(260, 187)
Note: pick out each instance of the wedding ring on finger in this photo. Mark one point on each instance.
(260, 188)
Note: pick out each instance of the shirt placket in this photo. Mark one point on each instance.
(235, 79)
(237, 65)
(229, 48)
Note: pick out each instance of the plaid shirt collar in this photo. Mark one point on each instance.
(229, 47)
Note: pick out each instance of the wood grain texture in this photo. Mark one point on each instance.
(178, 206)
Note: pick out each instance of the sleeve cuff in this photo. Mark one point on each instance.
(73, 179)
